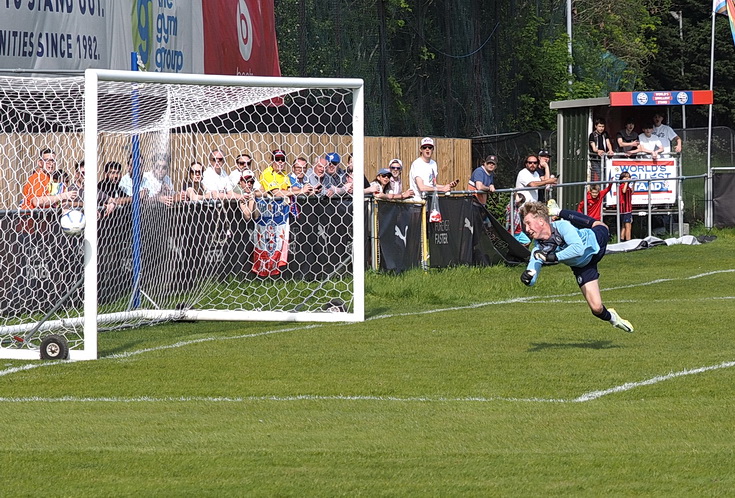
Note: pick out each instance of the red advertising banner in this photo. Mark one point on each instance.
(240, 38)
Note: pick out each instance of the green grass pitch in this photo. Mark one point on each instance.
(460, 382)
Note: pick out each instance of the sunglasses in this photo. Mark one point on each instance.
(218, 159)
(280, 159)
(250, 180)
(244, 163)
(531, 162)
(398, 168)
(384, 175)
(427, 147)
(195, 171)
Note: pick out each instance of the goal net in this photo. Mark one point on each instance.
(181, 181)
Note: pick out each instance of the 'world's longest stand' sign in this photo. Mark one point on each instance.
(674, 97)
(659, 173)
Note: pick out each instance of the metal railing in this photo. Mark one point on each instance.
(649, 209)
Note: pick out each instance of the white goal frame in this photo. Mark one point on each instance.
(91, 318)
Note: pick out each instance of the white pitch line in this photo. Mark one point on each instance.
(655, 380)
(589, 396)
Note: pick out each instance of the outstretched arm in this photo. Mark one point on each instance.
(530, 276)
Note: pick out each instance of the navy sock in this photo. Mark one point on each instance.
(604, 314)
(579, 220)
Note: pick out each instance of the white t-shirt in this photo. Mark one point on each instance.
(216, 183)
(426, 171)
(651, 144)
(666, 134)
(523, 179)
(156, 186)
(126, 184)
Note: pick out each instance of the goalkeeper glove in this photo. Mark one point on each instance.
(527, 276)
(546, 258)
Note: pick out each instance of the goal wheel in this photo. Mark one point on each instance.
(54, 347)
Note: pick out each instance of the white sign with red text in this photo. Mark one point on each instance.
(657, 173)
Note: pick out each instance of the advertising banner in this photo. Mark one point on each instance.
(399, 235)
(178, 36)
(240, 38)
(724, 199)
(451, 239)
(686, 97)
(660, 171)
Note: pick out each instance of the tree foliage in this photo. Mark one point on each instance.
(684, 61)
(476, 67)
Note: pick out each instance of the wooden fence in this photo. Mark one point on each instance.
(19, 153)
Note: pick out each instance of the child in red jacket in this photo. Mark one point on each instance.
(595, 196)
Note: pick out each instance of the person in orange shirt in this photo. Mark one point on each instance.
(37, 190)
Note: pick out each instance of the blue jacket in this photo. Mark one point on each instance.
(573, 246)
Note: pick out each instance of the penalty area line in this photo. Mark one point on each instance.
(648, 382)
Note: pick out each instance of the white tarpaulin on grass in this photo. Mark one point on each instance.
(638, 244)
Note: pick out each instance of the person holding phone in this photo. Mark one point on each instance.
(316, 176)
(424, 170)
(529, 177)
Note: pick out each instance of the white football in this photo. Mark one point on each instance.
(73, 222)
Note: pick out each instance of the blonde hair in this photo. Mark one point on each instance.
(534, 208)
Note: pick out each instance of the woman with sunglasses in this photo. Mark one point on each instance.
(382, 188)
(192, 188)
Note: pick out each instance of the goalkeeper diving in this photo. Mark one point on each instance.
(577, 240)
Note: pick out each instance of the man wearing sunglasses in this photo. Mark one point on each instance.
(243, 163)
(424, 170)
(529, 177)
(274, 179)
(215, 180)
(36, 191)
(396, 168)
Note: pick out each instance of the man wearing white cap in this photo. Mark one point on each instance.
(423, 172)
(396, 168)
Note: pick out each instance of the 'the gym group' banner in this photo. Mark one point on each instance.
(176, 36)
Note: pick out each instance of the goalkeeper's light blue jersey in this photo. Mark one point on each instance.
(573, 246)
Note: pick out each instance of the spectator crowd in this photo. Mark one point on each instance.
(241, 181)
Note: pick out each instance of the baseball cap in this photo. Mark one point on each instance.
(544, 152)
(491, 159)
(333, 157)
(393, 161)
(279, 153)
(427, 141)
(247, 174)
(384, 171)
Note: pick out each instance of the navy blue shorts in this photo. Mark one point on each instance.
(626, 218)
(588, 272)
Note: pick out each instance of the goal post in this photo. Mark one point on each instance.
(174, 248)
